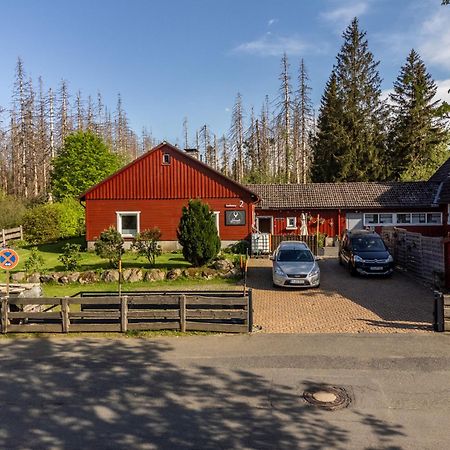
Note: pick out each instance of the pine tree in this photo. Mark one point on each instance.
(417, 134)
(237, 138)
(327, 150)
(360, 145)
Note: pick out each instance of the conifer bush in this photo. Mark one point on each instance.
(197, 233)
(110, 246)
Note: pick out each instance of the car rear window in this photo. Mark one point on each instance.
(368, 244)
(293, 255)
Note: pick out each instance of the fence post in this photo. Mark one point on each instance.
(250, 311)
(4, 319)
(21, 233)
(3, 238)
(65, 315)
(124, 314)
(182, 300)
(438, 311)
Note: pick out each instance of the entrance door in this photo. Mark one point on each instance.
(354, 221)
(264, 224)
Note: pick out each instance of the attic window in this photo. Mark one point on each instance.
(166, 159)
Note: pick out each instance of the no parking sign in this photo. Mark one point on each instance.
(8, 259)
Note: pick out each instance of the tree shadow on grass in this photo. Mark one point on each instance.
(130, 394)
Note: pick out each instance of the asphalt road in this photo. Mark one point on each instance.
(224, 392)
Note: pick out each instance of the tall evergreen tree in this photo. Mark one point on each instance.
(327, 146)
(417, 134)
(360, 146)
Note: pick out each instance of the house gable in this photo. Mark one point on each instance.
(151, 177)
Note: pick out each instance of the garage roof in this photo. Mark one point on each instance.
(347, 195)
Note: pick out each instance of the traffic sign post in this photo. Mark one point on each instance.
(9, 259)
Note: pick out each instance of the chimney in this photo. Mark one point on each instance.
(192, 152)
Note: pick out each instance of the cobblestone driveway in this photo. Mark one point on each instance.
(342, 304)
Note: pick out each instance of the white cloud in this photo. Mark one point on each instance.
(271, 22)
(435, 39)
(274, 45)
(344, 14)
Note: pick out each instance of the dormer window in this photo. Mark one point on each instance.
(166, 159)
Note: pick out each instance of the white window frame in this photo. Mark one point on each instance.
(291, 227)
(166, 163)
(395, 221)
(119, 215)
(217, 217)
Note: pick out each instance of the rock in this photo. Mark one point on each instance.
(63, 279)
(208, 274)
(173, 274)
(224, 265)
(155, 275)
(233, 273)
(192, 272)
(126, 274)
(32, 292)
(88, 277)
(18, 277)
(48, 278)
(135, 276)
(73, 277)
(109, 276)
(34, 278)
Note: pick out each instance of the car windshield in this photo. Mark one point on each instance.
(295, 255)
(368, 244)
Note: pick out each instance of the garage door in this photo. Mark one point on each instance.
(354, 221)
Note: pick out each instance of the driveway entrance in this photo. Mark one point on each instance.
(342, 304)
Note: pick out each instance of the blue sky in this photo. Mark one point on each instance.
(190, 57)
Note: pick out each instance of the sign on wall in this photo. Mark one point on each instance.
(235, 217)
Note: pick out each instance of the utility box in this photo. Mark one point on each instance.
(260, 244)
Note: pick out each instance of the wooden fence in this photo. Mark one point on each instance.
(216, 312)
(441, 311)
(11, 235)
(422, 256)
(311, 241)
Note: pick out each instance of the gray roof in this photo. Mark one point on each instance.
(415, 194)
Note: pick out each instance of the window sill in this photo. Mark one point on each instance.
(291, 228)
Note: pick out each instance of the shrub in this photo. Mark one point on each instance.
(41, 224)
(34, 262)
(70, 256)
(197, 233)
(52, 221)
(13, 210)
(110, 246)
(238, 248)
(146, 244)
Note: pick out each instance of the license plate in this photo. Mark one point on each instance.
(376, 268)
(297, 281)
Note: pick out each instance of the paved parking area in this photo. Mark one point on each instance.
(342, 304)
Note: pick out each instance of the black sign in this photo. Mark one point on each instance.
(235, 217)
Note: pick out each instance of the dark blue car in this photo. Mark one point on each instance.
(365, 253)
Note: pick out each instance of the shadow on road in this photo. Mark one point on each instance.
(125, 394)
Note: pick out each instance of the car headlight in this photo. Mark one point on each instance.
(314, 272)
(278, 271)
(390, 259)
(357, 258)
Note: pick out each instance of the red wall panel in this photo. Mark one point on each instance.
(164, 214)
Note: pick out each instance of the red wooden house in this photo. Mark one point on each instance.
(151, 191)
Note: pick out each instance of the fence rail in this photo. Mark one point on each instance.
(218, 312)
(11, 234)
(311, 241)
(422, 256)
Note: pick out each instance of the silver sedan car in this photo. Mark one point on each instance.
(294, 265)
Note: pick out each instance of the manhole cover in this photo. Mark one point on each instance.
(327, 397)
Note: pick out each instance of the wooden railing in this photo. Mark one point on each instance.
(219, 312)
(311, 241)
(11, 235)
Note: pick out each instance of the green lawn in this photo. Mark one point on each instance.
(90, 261)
